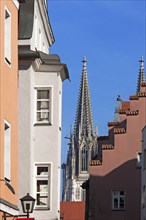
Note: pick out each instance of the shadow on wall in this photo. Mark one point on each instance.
(127, 178)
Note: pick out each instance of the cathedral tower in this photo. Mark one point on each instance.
(82, 144)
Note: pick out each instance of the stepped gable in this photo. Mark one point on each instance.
(119, 127)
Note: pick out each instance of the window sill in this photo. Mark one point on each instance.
(42, 124)
(118, 210)
(41, 208)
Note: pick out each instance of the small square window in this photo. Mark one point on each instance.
(118, 200)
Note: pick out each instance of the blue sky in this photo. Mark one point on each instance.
(111, 34)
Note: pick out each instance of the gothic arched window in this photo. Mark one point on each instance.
(84, 157)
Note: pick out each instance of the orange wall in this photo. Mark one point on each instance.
(8, 100)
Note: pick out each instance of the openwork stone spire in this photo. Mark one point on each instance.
(141, 76)
(83, 121)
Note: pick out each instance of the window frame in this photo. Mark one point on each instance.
(43, 178)
(50, 106)
(7, 37)
(7, 150)
(84, 159)
(118, 197)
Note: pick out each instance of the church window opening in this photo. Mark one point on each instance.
(84, 156)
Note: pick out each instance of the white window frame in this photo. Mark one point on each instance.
(118, 197)
(7, 149)
(16, 3)
(50, 106)
(7, 36)
(47, 193)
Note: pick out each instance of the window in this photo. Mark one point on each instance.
(78, 193)
(118, 200)
(43, 106)
(139, 159)
(43, 186)
(7, 37)
(7, 148)
(84, 156)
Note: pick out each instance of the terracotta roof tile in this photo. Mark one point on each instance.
(107, 146)
(133, 97)
(141, 94)
(132, 112)
(114, 123)
(125, 106)
(143, 84)
(119, 130)
(95, 163)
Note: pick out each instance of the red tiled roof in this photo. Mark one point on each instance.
(133, 97)
(125, 106)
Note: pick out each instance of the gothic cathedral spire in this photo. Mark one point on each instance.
(141, 76)
(83, 122)
(82, 145)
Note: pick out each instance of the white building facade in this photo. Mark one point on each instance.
(40, 109)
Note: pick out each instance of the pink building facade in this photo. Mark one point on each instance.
(114, 186)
